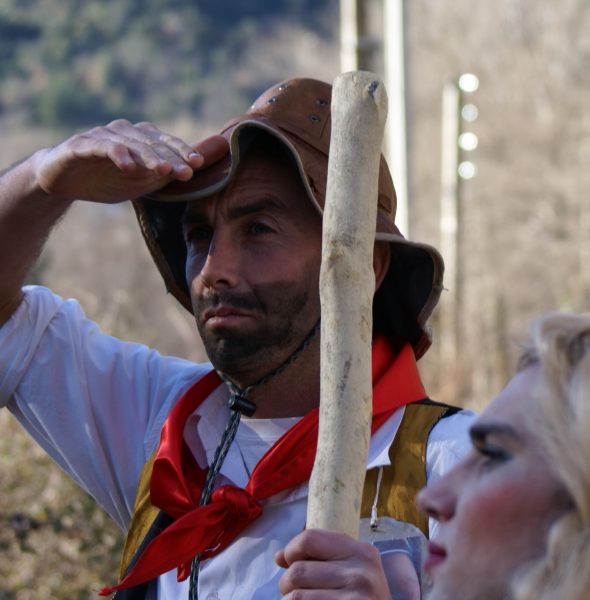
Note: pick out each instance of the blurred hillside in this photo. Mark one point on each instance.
(70, 64)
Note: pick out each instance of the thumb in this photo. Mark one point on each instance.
(212, 149)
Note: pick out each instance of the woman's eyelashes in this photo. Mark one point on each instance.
(491, 455)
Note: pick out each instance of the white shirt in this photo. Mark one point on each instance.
(97, 405)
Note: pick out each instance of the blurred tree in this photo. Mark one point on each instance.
(14, 31)
(74, 63)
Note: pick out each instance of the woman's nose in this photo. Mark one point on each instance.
(437, 500)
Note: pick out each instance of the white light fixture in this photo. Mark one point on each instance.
(467, 170)
(469, 112)
(468, 82)
(468, 141)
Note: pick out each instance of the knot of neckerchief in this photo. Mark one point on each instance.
(238, 404)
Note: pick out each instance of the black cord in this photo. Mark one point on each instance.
(239, 404)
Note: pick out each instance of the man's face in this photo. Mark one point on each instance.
(253, 261)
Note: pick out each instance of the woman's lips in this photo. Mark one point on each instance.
(436, 555)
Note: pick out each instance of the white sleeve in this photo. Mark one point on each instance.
(94, 403)
(448, 443)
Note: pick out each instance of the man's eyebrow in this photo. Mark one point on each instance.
(263, 204)
(192, 213)
(195, 212)
(480, 431)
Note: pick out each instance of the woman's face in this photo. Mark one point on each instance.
(495, 506)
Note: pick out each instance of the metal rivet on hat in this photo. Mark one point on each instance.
(321, 102)
(272, 100)
(315, 118)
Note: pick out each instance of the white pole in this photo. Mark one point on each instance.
(349, 35)
(396, 144)
(449, 221)
(347, 284)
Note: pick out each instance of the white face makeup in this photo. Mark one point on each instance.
(495, 506)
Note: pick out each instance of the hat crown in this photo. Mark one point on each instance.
(300, 107)
(300, 111)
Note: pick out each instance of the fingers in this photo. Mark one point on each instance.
(84, 147)
(121, 160)
(212, 149)
(144, 145)
(321, 563)
(318, 544)
(153, 149)
(314, 575)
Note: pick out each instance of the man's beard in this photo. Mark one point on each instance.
(281, 326)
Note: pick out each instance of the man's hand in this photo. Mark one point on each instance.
(324, 565)
(121, 161)
(109, 164)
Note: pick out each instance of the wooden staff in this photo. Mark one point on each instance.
(347, 285)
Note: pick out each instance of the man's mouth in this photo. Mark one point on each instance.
(223, 316)
(436, 555)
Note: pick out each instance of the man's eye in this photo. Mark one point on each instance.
(197, 233)
(260, 228)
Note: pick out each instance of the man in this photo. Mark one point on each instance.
(210, 491)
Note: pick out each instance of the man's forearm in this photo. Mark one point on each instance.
(27, 214)
(107, 164)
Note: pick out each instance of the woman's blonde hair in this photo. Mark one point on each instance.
(560, 344)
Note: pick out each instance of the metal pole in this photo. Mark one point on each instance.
(396, 141)
(584, 248)
(449, 221)
(349, 35)
(372, 38)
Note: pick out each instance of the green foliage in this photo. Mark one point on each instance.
(78, 63)
(55, 542)
(13, 33)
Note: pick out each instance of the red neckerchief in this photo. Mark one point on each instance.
(176, 481)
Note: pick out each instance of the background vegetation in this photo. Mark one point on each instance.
(73, 63)
(70, 64)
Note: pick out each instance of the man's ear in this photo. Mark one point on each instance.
(381, 261)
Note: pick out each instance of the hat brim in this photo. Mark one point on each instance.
(213, 179)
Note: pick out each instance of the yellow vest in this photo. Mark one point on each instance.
(400, 482)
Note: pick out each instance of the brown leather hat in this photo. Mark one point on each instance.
(297, 113)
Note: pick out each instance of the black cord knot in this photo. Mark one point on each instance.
(238, 402)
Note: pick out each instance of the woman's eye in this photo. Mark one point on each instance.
(493, 455)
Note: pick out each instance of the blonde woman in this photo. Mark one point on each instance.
(514, 515)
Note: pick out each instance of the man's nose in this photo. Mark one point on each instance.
(437, 500)
(222, 264)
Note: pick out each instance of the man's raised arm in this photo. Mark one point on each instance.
(106, 164)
